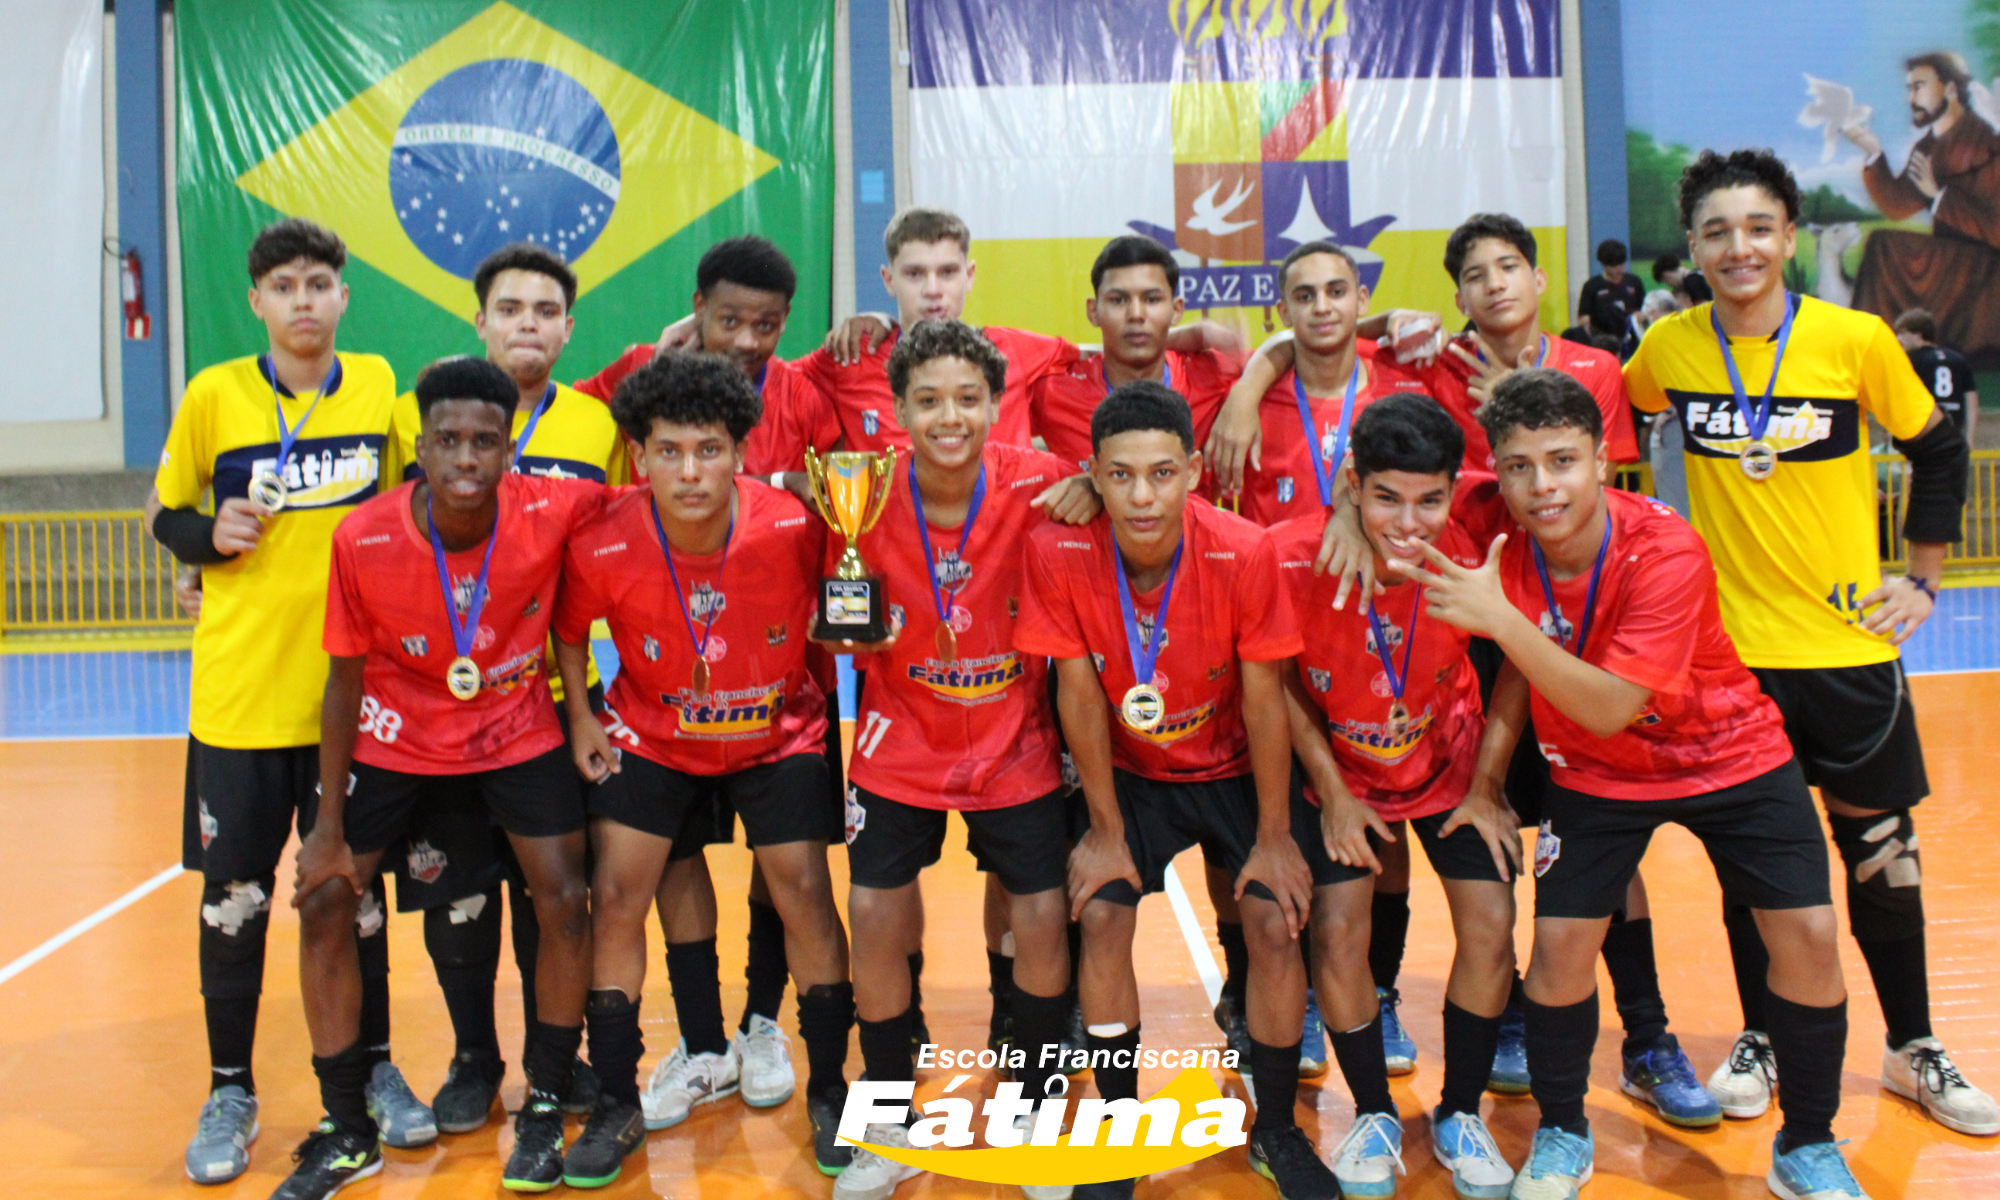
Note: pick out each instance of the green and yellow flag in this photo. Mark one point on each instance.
(626, 136)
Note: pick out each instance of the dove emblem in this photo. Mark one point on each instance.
(1210, 217)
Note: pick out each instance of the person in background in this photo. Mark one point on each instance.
(1668, 271)
(1943, 370)
(1614, 281)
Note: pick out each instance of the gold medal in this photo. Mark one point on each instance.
(947, 642)
(268, 491)
(1143, 708)
(700, 676)
(1759, 460)
(1398, 723)
(462, 677)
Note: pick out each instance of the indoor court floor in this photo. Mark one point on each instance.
(103, 1061)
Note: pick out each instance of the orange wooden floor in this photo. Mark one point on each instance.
(103, 1063)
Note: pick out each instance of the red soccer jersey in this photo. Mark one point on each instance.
(1286, 486)
(796, 417)
(1427, 768)
(976, 733)
(762, 702)
(384, 601)
(1060, 406)
(867, 409)
(1657, 624)
(1228, 606)
(1446, 378)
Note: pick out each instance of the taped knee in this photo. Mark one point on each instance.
(371, 916)
(464, 934)
(1885, 899)
(235, 917)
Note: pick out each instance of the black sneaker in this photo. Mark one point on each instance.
(471, 1085)
(832, 1154)
(329, 1159)
(1235, 1026)
(1116, 1189)
(536, 1165)
(583, 1090)
(615, 1130)
(1288, 1158)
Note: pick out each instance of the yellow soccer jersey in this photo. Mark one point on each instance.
(259, 671)
(1794, 553)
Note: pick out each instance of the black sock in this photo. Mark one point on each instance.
(1635, 982)
(616, 1044)
(1560, 1041)
(1807, 1043)
(1902, 984)
(1274, 1074)
(550, 1060)
(826, 1014)
(885, 1048)
(1038, 1021)
(1075, 932)
(343, 1086)
(232, 1033)
(766, 969)
(1116, 1082)
(1235, 958)
(999, 985)
(692, 971)
(527, 934)
(374, 996)
(1751, 961)
(465, 954)
(1363, 1066)
(1469, 1042)
(1388, 936)
(917, 989)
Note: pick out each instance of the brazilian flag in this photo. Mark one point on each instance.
(627, 135)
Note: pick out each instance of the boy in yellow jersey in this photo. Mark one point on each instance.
(1774, 391)
(287, 442)
(452, 864)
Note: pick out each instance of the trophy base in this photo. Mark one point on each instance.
(851, 610)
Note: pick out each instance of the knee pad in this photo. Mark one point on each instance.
(371, 916)
(1885, 898)
(235, 917)
(464, 934)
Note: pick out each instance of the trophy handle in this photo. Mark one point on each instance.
(884, 466)
(816, 483)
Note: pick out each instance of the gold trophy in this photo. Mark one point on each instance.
(850, 489)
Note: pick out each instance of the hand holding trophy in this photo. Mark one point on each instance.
(850, 489)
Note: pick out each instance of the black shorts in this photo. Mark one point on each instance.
(780, 802)
(1853, 730)
(724, 831)
(1528, 771)
(542, 797)
(1462, 856)
(890, 842)
(1762, 835)
(240, 806)
(1164, 817)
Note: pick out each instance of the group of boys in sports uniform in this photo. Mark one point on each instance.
(1293, 610)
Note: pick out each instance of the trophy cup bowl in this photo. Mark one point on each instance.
(850, 489)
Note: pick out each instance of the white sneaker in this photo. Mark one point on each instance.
(764, 1062)
(1742, 1085)
(870, 1176)
(1370, 1156)
(1025, 1126)
(1465, 1147)
(1923, 1072)
(681, 1082)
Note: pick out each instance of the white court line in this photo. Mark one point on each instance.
(88, 923)
(1197, 941)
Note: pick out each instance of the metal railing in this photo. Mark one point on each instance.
(85, 573)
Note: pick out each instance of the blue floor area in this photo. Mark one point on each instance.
(144, 693)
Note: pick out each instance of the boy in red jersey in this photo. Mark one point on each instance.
(1605, 605)
(706, 580)
(1395, 756)
(953, 718)
(435, 687)
(1172, 615)
(1135, 300)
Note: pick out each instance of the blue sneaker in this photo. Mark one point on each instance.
(1312, 1042)
(1464, 1146)
(1664, 1078)
(1370, 1156)
(1397, 1048)
(1816, 1172)
(1509, 1076)
(1557, 1167)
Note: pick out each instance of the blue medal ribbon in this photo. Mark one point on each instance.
(1143, 658)
(534, 419)
(289, 435)
(1589, 596)
(1755, 422)
(708, 622)
(1322, 470)
(461, 633)
(938, 594)
(1397, 681)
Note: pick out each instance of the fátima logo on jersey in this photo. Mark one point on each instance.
(319, 473)
(727, 716)
(505, 130)
(1373, 738)
(969, 680)
(705, 601)
(1176, 725)
(1717, 426)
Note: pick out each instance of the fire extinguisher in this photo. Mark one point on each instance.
(132, 289)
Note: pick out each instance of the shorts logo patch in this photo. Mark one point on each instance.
(650, 647)
(857, 816)
(210, 827)
(1548, 848)
(1285, 489)
(416, 645)
(426, 861)
(1322, 681)
(775, 635)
